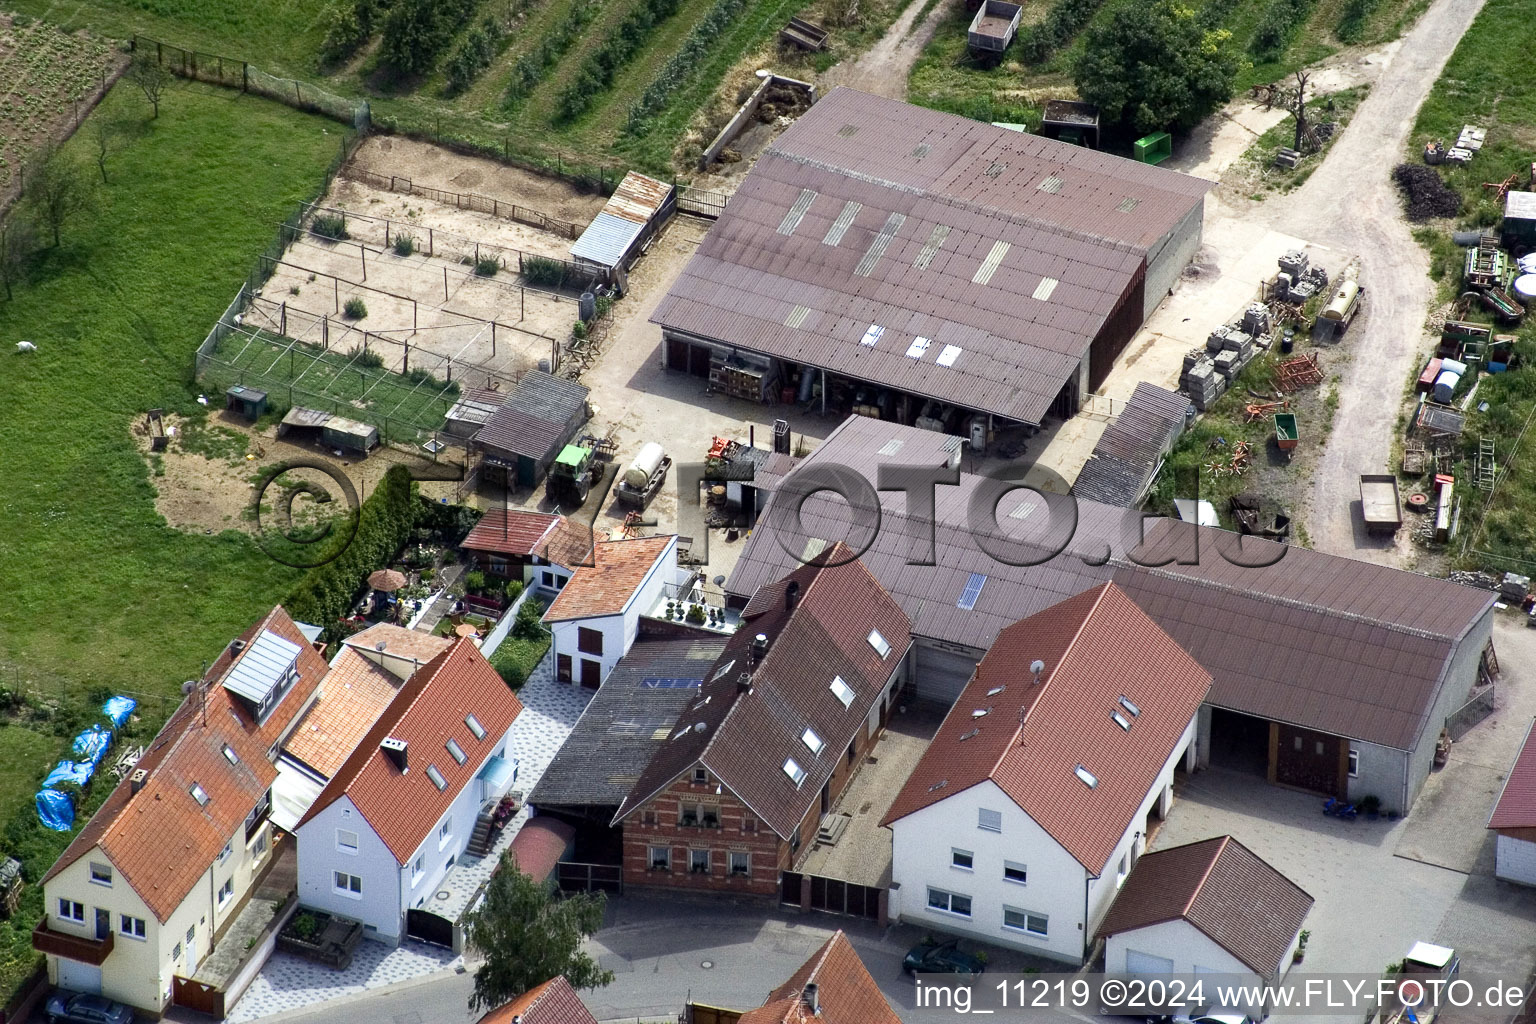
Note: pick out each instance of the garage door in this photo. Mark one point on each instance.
(79, 977)
(939, 676)
(1146, 963)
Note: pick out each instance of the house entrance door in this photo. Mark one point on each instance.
(103, 923)
(591, 673)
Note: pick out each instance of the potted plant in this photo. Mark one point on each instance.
(696, 615)
(1301, 945)
(1370, 806)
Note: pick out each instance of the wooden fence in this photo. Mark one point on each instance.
(468, 201)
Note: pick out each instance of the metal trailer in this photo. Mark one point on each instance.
(636, 497)
(805, 35)
(1379, 503)
(993, 28)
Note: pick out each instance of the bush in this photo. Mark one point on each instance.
(474, 54)
(404, 245)
(487, 266)
(1352, 20)
(330, 225)
(345, 35)
(474, 581)
(604, 305)
(696, 614)
(365, 358)
(356, 309)
(682, 64)
(1279, 23)
(530, 624)
(1065, 20)
(579, 330)
(415, 32)
(305, 926)
(541, 271)
(1425, 193)
(514, 590)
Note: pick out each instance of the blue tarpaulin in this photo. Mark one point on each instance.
(91, 745)
(118, 709)
(55, 810)
(78, 772)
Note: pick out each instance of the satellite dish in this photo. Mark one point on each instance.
(1037, 666)
(188, 686)
(699, 727)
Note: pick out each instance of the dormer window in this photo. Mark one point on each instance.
(267, 670)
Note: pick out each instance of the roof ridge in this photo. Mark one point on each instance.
(1205, 875)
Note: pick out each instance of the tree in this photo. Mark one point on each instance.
(1151, 68)
(18, 240)
(58, 189)
(150, 76)
(104, 135)
(527, 936)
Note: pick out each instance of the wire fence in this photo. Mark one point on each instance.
(468, 201)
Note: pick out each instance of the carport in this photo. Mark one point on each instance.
(1286, 755)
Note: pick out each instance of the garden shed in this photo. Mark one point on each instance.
(244, 401)
(333, 430)
(1520, 220)
(538, 418)
(622, 229)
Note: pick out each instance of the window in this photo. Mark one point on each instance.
(698, 862)
(881, 645)
(191, 935)
(842, 691)
(748, 824)
(475, 726)
(229, 848)
(455, 751)
(1319, 748)
(176, 951)
(661, 858)
(444, 832)
(418, 868)
(101, 874)
(812, 742)
(133, 927)
(346, 840)
(1121, 720)
(226, 891)
(436, 777)
(589, 641)
(648, 817)
(348, 885)
(260, 847)
(230, 755)
(701, 776)
(990, 821)
(1296, 742)
(963, 859)
(949, 902)
(1135, 711)
(794, 771)
(709, 816)
(1088, 778)
(1013, 871)
(794, 841)
(741, 864)
(69, 910)
(199, 794)
(1354, 764)
(687, 813)
(1027, 921)
(1120, 872)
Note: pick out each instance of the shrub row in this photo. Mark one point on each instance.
(415, 32)
(682, 64)
(384, 524)
(1278, 24)
(1352, 20)
(1061, 23)
(351, 23)
(617, 49)
(474, 54)
(529, 69)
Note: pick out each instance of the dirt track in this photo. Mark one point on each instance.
(884, 67)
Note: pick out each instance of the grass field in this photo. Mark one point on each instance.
(945, 78)
(1488, 82)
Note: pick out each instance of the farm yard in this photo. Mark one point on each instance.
(48, 81)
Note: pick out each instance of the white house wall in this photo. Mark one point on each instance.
(616, 641)
(378, 905)
(1515, 860)
(921, 846)
(1188, 947)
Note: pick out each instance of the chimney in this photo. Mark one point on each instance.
(759, 647)
(791, 595)
(744, 682)
(1037, 666)
(395, 750)
(235, 647)
(137, 779)
(813, 998)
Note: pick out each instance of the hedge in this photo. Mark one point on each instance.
(616, 50)
(384, 524)
(1065, 20)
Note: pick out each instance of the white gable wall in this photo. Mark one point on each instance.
(378, 906)
(1515, 860)
(1188, 947)
(616, 641)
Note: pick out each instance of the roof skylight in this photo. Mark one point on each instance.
(991, 263)
(842, 691)
(918, 347)
(455, 751)
(1044, 289)
(996, 690)
(475, 726)
(812, 742)
(877, 247)
(872, 336)
(1121, 720)
(1087, 777)
(1135, 711)
(970, 735)
(881, 645)
(794, 771)
(199, 794)
(796, 211)
(931, 247)
(949, 355)
(230, 755)
(436, 777)
(840, 226)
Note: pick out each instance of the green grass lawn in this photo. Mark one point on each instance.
(99, 590)
(26, 755)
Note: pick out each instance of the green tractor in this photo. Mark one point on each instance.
(577, 469)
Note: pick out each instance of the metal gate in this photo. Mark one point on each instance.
(429, 928)
(572, 877)
(831, 895)
(701, 201)
(196, 995)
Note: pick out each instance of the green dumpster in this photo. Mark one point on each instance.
(1154, 149)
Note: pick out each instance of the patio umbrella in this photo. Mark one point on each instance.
(466, 629)
(387, 580)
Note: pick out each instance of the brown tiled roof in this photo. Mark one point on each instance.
(1222, 888)
(844, 989)
(539, 845)
(510, 531)
(1013, 248)
(553, 1002)
(1516, 807)
(399, 642)
(1097, 647)
(747, 736)
(428, 710)
(605, 587)
(568, 544)
(160, 840)
(355, 693)
(1346, 647)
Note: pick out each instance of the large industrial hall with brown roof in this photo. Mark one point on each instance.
(928, 266)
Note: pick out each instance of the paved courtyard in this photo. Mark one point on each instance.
(286, 983)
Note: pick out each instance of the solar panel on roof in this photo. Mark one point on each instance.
(949, 355)
(670, 683)
(991, 263)
(877, 248)
(972, 591)
(839, 227)
(796, 211)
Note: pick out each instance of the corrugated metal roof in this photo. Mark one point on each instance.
(913, 256)
(265, 662)
(1131, 449)
(1516, 807)
(621, 220)
(540, 410)
(476, 405)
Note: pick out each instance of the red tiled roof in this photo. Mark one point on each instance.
(748, 736)
(553, 1002)
(160, 840)
(569, 544)
(510, 531)
(1097, 647)
(1222, 888)
(605, 587)
(1517, 802)
(355, 693)
(428, 710)
(844, 989)
(539, 845)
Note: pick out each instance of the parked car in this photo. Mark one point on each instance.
(82, 1008)
(942, 958)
